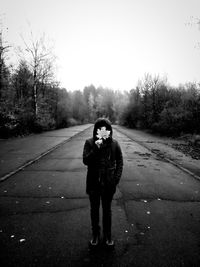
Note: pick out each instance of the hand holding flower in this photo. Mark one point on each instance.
(102, 134)
(99, 142)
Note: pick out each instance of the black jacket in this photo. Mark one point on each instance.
(104, 165)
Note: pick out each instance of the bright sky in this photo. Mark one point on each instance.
(112, 43)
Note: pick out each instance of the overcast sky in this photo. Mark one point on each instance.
(112, 42)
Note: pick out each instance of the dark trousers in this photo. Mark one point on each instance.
(106, 199)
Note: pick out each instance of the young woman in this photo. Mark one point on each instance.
(103, 157)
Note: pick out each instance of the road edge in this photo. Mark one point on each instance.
(30, 162)
(163, 156)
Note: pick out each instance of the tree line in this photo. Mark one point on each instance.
(157, 106)
(31, 100)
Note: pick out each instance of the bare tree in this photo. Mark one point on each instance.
(3, 49)
(194, 22)
(40, 60)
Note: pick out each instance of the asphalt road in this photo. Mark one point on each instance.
(44, 211)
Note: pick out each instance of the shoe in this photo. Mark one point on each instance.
(94, 241)
(110, 243)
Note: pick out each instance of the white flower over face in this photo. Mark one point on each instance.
(102, 134)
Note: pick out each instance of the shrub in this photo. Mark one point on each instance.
(173, 121)
(72, 122)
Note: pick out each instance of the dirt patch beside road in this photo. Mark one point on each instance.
(188, 149)
(182, 153)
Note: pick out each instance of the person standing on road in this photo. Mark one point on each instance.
(103, 157)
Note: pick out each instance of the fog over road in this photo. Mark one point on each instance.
(45, 216)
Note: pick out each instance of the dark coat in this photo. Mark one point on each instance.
(104, 166)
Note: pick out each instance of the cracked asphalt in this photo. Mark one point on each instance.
(44, 210)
